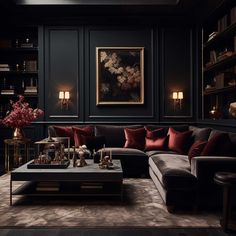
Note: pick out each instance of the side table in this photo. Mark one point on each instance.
(16, 152)
(228, 181)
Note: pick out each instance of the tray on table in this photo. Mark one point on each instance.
(32, 165)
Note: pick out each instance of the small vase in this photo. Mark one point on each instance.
(18, 133)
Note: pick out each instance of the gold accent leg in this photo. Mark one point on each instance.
(10, 191)
(6, 158)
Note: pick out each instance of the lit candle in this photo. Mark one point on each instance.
(101, 155)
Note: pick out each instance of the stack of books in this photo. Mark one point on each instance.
(30, 90)
(31, 65)
(4, 67)
(7, 92)
(48, 186)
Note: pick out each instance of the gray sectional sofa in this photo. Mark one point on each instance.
(179, 182)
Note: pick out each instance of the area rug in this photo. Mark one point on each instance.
(142, 207)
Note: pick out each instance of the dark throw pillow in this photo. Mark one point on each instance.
(219, 145)
(179, 141)
(64, 131)
(79, 132)
(155, 139)
(94, 142)
(135, 138)
(196, 149)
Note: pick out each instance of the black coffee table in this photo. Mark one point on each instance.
(89, 180)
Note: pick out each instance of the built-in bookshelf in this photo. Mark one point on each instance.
(219, 63)
(18, 66)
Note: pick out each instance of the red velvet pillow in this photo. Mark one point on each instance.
(155, 139)
(219, 145)
(196, 149)
(179, 141)
(79, 132)
(64, 131)
(135, 138)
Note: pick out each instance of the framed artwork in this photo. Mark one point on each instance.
(119, 75)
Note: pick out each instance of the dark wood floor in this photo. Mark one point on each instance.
(114, 232)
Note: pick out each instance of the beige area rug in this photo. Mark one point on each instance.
(142, 207)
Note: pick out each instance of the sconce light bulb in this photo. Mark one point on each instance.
(175, 95)
(61, 95)
(180, 95)
(67, 95)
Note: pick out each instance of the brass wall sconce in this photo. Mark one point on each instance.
(177, 98)
(64, 97)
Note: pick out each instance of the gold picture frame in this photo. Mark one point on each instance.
(119, 76)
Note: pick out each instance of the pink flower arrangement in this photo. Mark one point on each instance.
(21, 114)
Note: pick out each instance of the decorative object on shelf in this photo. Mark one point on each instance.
(20, 115)
(27, 44)
(119, 75)
(214, 113)
(32, 89)
(177, 98)
(232, 109)
(64, 97)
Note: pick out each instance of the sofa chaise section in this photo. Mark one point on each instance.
(172, 176)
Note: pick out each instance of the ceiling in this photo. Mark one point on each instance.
(167, 9)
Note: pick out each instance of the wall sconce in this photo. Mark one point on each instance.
(64, 97)
(177, 97)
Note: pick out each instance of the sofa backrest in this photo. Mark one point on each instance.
(180, 128)
(52, 131)
(114, 134)
(200, 133)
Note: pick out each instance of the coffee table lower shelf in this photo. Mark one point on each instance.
(75, 189)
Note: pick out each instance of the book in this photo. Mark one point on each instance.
(27, 45)
(4, 69)
(7, 92)
(31, 65)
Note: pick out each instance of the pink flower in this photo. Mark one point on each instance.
(21, 114)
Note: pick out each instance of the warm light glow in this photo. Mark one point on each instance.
(67, 95)
(175, 95)
(61, 95)
(180, 95)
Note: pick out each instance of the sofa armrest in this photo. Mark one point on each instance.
(205, 167)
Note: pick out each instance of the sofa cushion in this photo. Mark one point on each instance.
(196, 149)
(94, 142)
(232, 137)
(134, 162)
(180, 128)
(63, 131)
(135, 138)
(156, 139)
(179, 141)
(119, 152)
(200, 133)
(154, 152)
(79, 132)
(114, 134)
(218, 145)
(173, 171)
